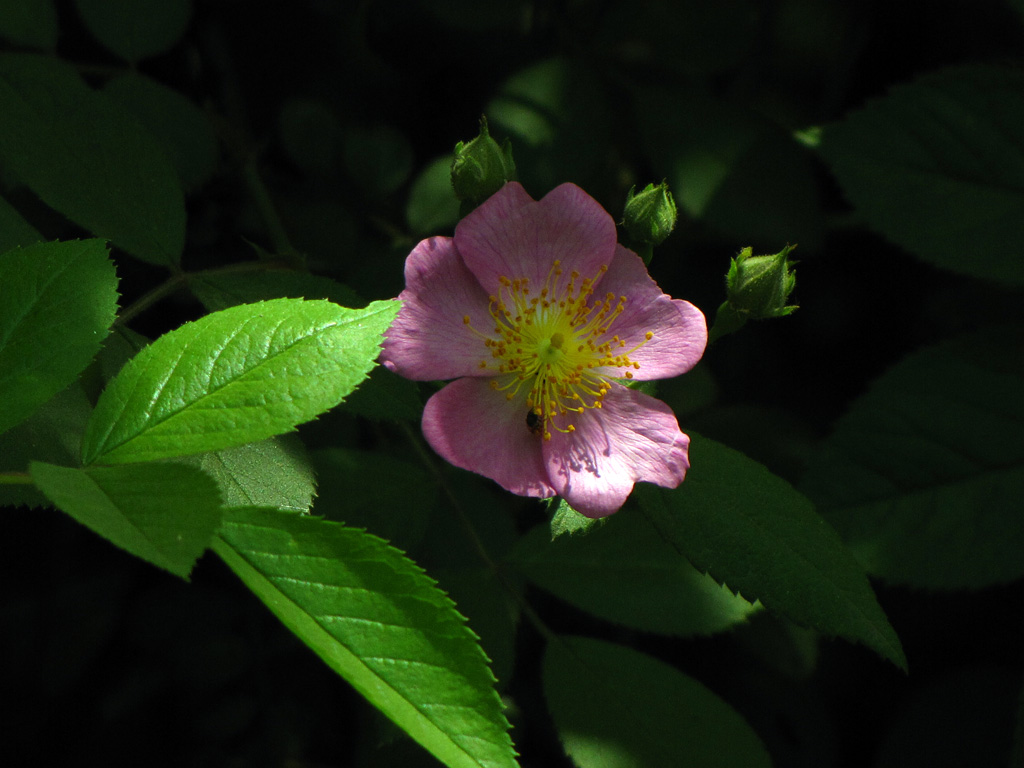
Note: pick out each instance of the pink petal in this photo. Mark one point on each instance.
(632, 438)
(679, 328)
(510, 235)
(475, 427)
(429, 339)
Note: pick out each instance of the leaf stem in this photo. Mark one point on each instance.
(166, 288)
(261, 198)
(15, 478)
(727, 320)
(174, 282)
(474, 537)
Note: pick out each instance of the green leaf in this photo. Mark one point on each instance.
(731, 168)
(566, 520)
(270, 473)
(555, 112)
(182, 128)
(386, 397)
(483, 598)
(32, 23)
(59, 300)
(52, 434)
(376, 619)
(378, 159)
(957, 718)
(432, 206)
(220, 290)
(14, 230)
(165, 514)
(389, 497)
(923, 477)
(682, 38)
(311, 135)
(136, 29)
(624, 572)
(234, 377)
(937, 166)
(85, 156)
(751, 530)
(617, 708)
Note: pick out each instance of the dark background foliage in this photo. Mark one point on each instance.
(342, 107)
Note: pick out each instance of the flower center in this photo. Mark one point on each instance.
(555, 343)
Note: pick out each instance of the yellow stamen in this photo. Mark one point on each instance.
(557, 345)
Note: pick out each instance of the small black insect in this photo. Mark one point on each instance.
(534, 423)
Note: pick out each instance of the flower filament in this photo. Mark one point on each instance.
(555, 343)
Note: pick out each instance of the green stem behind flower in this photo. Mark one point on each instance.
(727, 320)
(426, 459)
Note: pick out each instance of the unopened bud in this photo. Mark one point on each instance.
(481, 167)
(650, 215)
(758, 287)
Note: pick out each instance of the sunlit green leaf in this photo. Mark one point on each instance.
(164, 513)
(615, 707)
(923, 478)
(87, 157)
(375, 618)
(32, 23)
(937, 166)
(566, 520)
(181, 127)
(623, 571)
(233, 377)
(751, 530)
(59, 300)
(136, 29)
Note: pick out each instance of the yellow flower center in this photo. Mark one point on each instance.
(555, 342)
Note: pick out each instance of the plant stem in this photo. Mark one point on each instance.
(166, 288)
(474, 537)
(727, 320)
(15, 478)
(261, 197)
(181, 279)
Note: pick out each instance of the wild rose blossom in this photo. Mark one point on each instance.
(537, 313)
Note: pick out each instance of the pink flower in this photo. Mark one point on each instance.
(537, 312)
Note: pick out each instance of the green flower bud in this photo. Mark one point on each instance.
(481, 167)
(649, 216)
(758, 287)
